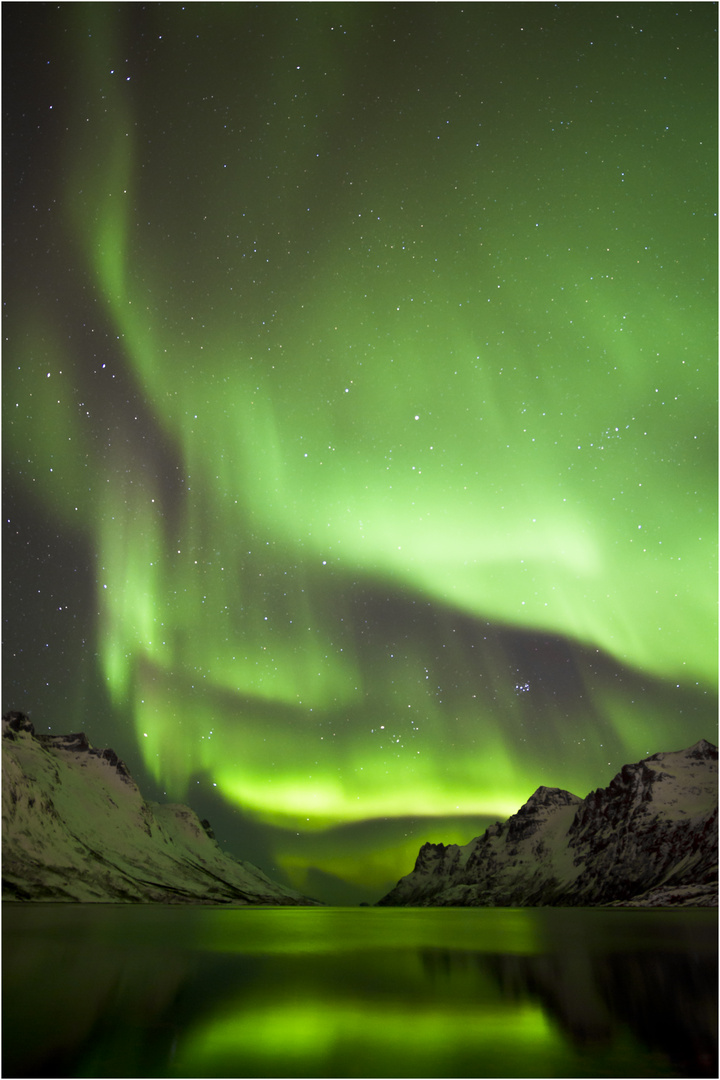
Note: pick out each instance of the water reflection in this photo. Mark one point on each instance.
(95, 990)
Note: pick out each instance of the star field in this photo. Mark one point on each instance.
(359, 408)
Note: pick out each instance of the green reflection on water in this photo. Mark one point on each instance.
(146, 990)
(323, 1036)
(289, 930)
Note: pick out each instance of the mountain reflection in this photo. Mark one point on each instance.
(125, 990)
(667, 1001)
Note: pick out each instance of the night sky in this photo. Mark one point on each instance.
(359, 407)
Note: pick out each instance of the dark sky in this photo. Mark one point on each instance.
(359, 407)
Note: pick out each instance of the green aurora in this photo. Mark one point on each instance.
(393, 423)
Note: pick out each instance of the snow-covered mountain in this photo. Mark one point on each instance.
(76, 828)
(648, 839)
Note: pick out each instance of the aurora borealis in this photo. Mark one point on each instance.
(360, 407)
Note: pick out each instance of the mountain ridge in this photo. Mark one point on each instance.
(76, 828)
(650, 837)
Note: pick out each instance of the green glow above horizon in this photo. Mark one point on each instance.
(492, 391)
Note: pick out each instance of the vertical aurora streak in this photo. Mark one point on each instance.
(393, 420)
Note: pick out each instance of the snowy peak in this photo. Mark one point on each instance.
(552, 796)
(16, 723)
(433, 856)
(533, 817)
(76, 827)
(535, 812)
(701, 751)
(649, 837)
(671, 784)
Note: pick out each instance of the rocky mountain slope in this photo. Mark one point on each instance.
(649, 839)
(76, 828)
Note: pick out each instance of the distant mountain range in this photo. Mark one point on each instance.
(649, 839)
(77, 828)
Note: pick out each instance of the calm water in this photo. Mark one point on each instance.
(140, 991)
